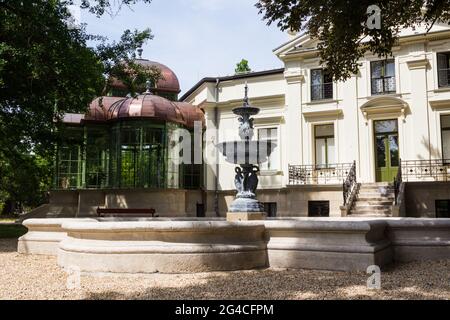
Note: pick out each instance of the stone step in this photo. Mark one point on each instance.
(372, 195)
(364, 206)
(376, 189)
(377, 184)
(371, 211)
(376, 200)
(383, 191)
(370, 215)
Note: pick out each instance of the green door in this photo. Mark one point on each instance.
(386, 150)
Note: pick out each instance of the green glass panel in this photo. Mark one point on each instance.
(393, 150)
(381, 151)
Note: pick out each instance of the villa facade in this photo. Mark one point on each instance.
(341, 145)
(375, 145)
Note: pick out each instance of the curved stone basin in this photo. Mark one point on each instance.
(166, 247)
(175, 245)
(44, 235)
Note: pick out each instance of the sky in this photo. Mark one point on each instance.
(197, 38)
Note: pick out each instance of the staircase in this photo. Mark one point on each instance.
(373, 200)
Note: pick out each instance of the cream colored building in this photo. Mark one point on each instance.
(393, 114)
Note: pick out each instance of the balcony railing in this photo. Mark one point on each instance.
(383, 85)
(319, 174)
(322, 91)
(425, 170)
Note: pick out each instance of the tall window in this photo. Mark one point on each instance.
(324, 145)
(270, 134)
(69, 165)
(445, 136)
(192, 172)
(321, 85)
(383, 76)
(443, 64)
(97, 142)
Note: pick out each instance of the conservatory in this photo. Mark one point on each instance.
(128, 142)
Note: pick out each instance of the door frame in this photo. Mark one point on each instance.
(386, 134)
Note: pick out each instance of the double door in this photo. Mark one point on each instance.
(386, 150)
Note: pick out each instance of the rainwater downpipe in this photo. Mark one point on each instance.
(216, 123)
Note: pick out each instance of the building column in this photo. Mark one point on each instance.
(420, 110)
(293, 140)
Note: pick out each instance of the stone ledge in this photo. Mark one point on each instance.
(178, 245)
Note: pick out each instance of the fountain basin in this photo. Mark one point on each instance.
(44, 235)
(173, 246)
(246, 110)
(246, 152)
(166, 247)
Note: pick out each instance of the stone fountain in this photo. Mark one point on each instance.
(246, 153)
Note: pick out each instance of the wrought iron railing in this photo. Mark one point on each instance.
(318, 174)
(349, 183)
(425, 170)
(397, 182)
(322, 91)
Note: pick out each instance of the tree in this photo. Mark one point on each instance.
(47, 70)
(341, 26)
(242, 67)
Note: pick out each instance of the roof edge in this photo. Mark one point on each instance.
(228, 78)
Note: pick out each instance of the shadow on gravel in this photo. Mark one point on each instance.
(405, 281)
(8, 245)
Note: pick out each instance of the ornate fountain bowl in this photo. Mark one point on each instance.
(246, 111)
(246, 152)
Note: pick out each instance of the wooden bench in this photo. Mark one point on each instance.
(118, 212)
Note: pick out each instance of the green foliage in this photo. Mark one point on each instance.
(340, 26)
(100, 7)
(12, 231)
(24, 181)
(47, 70)
(242, 67)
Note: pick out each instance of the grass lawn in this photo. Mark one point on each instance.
(10, 230)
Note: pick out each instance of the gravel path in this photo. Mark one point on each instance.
(38, 277)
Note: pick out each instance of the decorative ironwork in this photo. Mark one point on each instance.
(425, 170)
(397, 182)
(319, 174)
(350, 183)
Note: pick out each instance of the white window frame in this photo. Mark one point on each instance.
(314, 142)
(277, 149)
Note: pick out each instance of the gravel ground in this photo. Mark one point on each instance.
(38, 277)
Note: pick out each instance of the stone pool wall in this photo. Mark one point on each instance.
(178, 245)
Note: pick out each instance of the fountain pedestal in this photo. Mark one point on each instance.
(246, 207)
(245, 216)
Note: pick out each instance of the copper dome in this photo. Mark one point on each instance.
(191, 114)
(97, 108)
(155, 107)
(168, 83)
